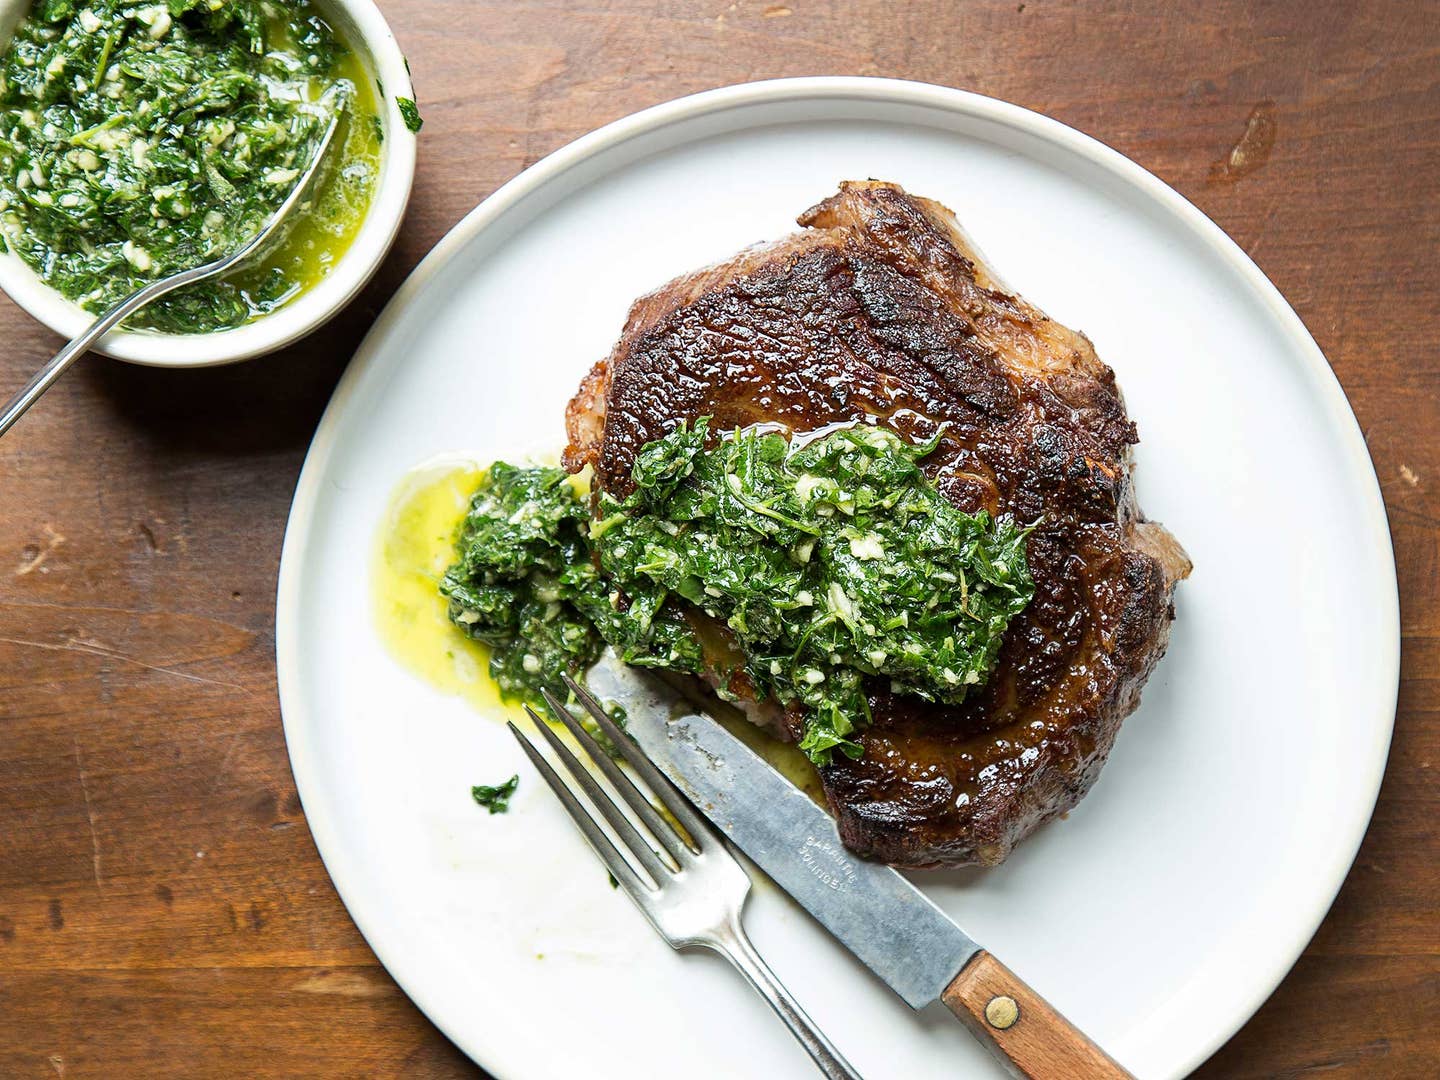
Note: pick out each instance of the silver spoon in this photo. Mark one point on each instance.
(79, 345)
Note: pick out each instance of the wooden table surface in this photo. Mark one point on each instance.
(162, 907)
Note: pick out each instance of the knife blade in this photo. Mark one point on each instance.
(895, 929)
(891, 926)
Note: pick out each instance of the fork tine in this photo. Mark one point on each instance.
(668, 794)
(665, 832)
(629, 835)
(594, 835)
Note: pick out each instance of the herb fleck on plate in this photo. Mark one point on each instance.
(495, 798)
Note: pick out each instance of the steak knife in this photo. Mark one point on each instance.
(875, 912)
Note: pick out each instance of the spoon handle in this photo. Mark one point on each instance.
(80, 344)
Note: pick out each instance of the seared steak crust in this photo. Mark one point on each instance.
(882, 311)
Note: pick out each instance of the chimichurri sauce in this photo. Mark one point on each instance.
(826, 564)
(140, 139)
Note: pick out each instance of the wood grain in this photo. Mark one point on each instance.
(162, 908)
(1033, 1039)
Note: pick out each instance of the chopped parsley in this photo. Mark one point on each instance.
(526, 584)
(139, 139)
(410, 113)
(496, 799)
(800, 572)
(525, 580)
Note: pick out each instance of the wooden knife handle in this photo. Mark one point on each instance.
(1025, 1029)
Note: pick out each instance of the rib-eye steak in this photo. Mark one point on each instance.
(880, 310)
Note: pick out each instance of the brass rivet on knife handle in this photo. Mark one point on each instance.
(1001, 1011)
(1021, 1026)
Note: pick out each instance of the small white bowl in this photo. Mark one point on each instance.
(364, 30)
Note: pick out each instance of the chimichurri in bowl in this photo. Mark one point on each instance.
(137, 139)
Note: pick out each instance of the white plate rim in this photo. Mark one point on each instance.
(492, 1054)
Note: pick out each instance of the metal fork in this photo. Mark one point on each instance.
(693, 888)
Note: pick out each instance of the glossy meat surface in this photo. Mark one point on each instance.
(880, 310)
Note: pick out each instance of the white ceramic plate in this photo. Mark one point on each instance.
(1164, 910)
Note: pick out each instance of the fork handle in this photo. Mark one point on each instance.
(735, 946)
